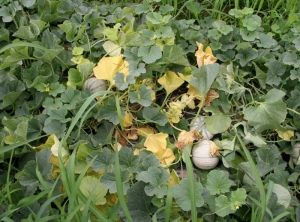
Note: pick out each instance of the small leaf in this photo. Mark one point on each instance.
(157, 178)
(128, 161)
(203, 77)
(104, 160)
(268, 114)
(108, 181)
(238, 198)
(246, 55)
(154, 115)
(91, 186)
(217, 123)
(183, 196)
(170, 81)
(223, 206)
(149, 54)
(217, 182)
(140, 208)
(143, 96)
(283, 195)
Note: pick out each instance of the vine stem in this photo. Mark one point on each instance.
(294, 111)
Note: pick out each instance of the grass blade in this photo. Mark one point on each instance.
(191, 180)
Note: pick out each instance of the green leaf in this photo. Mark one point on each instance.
(291, 59)
(104, 160)
(295, 75)
(269, 113)
(260, 76)
(10, 92)
(52, 126)
(103, 135)
(266, 41)
(143, 96)
(149, 54)
(16, 55)
(28, 3)
(16, 128)
(157, 178)
(56, 88)
(249, 35)
(109, 112)
(136, 68)
(90, 186)
(203, 77)
(296, 41)
(268, 159)
(252, 23)
(173, 54)
(59, 114)
(217, 123)
(128, 161)
(75, 78)
(120, 81)
(283, 195)
(223, 206)
(146, 160)
(154, 17)
(183, 196)
(109, 181)
(238, 198)
(236, 13)
(246, 55)
(44, 167)
(154, 115)
(143, 8)
(140, 208)
(24, 32)
(217, 182)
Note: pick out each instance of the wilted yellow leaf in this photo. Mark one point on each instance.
(185, 138)
(166, 156)
(174, 179)
(185, 78)
(210, 96)
(55, 147)
(286, 134)
(145, 131)
(214, 149)
(193, 92)
(175, 111)
(127, 120)
(170, 81)
(204, 58)
(156, 142)
(108, 67)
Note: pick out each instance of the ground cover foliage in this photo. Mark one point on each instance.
(69, 153)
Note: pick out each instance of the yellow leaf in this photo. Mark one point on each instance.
(174, 179)
(193, 92)
(286, 134)
(214, 149)
(156, 142)
(204, 58)
(210, 96)
(175, 111)
(185, 138)
(127, 120)
(166, 156)
(108, 67)
(145, 131)
(170, 81)
(55, 147)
